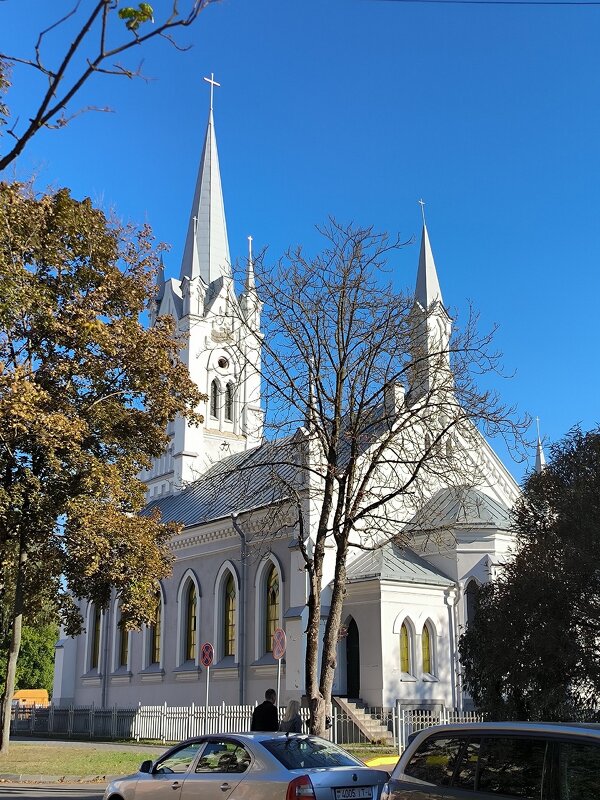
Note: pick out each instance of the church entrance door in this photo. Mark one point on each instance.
(353, 661)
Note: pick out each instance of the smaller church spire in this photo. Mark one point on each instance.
(428, 286)
(160, 280)
(250, 284)
(540, 459)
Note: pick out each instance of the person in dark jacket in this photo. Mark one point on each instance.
(264, 716)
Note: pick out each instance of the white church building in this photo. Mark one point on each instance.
(404, 608)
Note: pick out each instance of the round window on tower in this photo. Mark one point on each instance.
(223, 363)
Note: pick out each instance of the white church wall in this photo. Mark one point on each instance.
(416, 606)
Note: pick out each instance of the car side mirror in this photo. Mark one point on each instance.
(146, 766)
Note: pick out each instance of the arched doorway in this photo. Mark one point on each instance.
(352, 661)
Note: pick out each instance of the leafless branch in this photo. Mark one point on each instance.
(65, 81)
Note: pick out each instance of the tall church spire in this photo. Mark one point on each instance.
(206, 253)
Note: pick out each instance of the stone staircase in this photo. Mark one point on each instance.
(367, 723)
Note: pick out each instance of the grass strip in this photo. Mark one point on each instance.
(57, 759)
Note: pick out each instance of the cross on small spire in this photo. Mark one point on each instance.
(422, 204)
(250, 250)
(213, 83)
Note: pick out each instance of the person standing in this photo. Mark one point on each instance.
(292, 723)
(264, 716)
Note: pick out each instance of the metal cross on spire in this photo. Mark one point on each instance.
(422, 204)
(213, 83)
(250, 250)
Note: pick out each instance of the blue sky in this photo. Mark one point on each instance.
(358, 108)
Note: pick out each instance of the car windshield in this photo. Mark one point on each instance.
(300, 752)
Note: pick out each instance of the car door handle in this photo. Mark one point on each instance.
(225, 786)
(175, 785)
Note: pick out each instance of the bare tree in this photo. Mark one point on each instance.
(102, 32)
(374, 400)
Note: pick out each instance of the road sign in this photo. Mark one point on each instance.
(207, 653)
(279, 643)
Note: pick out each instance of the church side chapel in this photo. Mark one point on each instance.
(238, 571)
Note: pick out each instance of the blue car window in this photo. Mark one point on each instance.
(177, 761)
(300, 752)
(512, 766)
(578, 771)
(436, 759)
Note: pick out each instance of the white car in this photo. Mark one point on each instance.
(252, 766)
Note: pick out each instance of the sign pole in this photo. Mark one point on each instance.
(279, 645)
(206, 704)
(278, 679)
(207, 653)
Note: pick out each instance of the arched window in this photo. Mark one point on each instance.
(404, 649)
(214, 399)
(271, 607)
(190, 623)
(471, 593)
(229, 402)
(229, 617)
(95, 647)
(155, 634)
(426, 650)
(123, 645)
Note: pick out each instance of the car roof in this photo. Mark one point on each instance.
(575, 728)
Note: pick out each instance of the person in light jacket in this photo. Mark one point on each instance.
(292, 722)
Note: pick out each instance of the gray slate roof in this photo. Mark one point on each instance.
(243, 481)
(394, 563)
(462, 507)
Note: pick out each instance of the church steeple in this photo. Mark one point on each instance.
(431, 328)
(223, 339)
(206, 253)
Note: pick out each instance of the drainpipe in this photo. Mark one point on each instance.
(452, 597)
(106, 635)
(460, 586)
(242, 612)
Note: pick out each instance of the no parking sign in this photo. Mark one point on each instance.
(279, 643)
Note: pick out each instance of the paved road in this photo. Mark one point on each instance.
(56, 791)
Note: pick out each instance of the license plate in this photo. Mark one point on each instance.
(354, 793)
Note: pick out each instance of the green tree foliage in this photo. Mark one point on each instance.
(35, 667)
(533, 650)
(86, 393)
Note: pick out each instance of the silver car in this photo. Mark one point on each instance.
(493, 760)
(252, 766)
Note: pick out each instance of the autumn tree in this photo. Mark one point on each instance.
(98, 33)
(86, 392)
(373, 398)
(531, 651)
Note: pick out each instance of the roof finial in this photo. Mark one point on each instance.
(213, 83)
(422, 204)
(249, 250)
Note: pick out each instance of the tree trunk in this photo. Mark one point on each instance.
(13, 653)
(315, 700)
(332, 628)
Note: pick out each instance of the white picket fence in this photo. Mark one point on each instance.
(165, 723)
